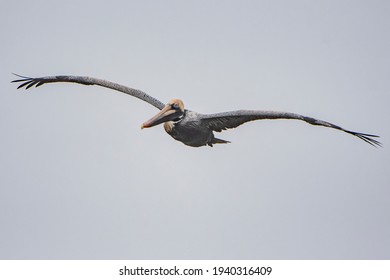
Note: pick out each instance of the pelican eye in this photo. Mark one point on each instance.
(175, 106)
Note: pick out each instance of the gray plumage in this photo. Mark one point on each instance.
(191, 128)
(30, 82)
(227, 120)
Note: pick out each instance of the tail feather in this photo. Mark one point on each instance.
(217, 141)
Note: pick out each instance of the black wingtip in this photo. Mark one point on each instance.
(19, 75)
(24, 84)
(368, 138)
(27, 82)
(23, 78)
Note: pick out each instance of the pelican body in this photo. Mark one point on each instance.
(189, 127)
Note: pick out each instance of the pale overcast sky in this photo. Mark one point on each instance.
(80, 180)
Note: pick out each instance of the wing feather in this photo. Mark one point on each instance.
(227, 120)
(28, 82)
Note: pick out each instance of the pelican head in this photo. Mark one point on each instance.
(173, 110)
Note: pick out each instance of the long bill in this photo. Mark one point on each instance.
(166, 114)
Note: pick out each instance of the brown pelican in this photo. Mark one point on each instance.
(191, 128)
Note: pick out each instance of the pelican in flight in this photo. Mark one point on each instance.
(189, 127)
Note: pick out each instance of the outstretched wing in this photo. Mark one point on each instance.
(221, 121)
(28, 82)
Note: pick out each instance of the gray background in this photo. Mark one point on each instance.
(80, 180)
